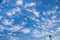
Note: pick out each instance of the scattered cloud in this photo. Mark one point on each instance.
(43, 22)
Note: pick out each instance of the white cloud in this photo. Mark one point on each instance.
(53, 11)
(18, 9)
(57, 20)
(57, 7)
(19, 2)
(13, 38)
(47, 33)
(54, 17)
(37, 20)
(44, 13)
(35, 12)
(2, 28)
(7, 22)
(23, 23)
(58, 29)
(15, 28)
(13, 11)
(49, 12)
(56, 38)
(9, 13)
(29, 10)
(37, 33)
(1, 17)
(47, 38)
(59, 12)
(26, 30)
(30, 4)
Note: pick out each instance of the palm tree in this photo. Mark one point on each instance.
(50, 37)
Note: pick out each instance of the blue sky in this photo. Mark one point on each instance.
(29, 19)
